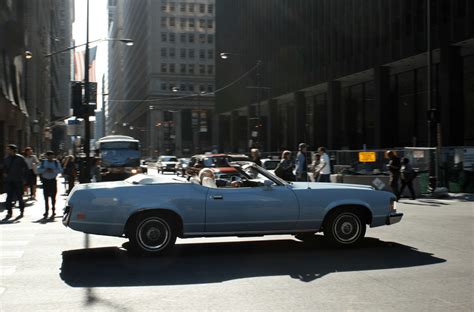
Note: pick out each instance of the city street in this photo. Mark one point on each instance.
(424, 263)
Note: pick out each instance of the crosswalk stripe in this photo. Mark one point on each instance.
(7, 270)
(13, 243)
(11, 254)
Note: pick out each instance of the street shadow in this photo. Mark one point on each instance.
(43, 220)
(198, 263)
(11, 220)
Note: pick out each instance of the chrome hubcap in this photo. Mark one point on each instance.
(347, 228)
(153, 234)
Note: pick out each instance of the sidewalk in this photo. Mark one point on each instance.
(34, 209)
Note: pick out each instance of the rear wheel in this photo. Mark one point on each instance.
(152, 234)
(344, 227)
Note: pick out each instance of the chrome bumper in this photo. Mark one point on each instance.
(394, 218)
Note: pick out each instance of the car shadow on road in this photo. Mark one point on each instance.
(198, 263)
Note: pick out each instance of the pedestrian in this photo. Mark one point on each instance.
(15, 172)
(96, 171)
(394, 167)
(302, 163)
(31, 176)
(49, 170)
(285, 168)
(324, 167)
(255, 156)
(314, 166)
(407, 175)
(70, 172)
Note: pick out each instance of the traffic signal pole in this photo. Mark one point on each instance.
(87, 126)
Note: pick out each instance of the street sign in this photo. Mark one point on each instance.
(366, 157)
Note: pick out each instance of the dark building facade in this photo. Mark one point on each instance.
(342, 73)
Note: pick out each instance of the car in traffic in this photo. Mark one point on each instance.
(270, 164)
(181, 166)
(166, 164)
(220, 163)
(152, 211)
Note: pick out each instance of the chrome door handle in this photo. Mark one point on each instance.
(217, 197)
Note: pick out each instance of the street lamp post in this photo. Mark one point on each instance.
(85, 169)
(432, 111)
(255, 129)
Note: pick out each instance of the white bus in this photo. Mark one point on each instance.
(120, 157)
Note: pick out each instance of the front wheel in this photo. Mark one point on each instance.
(152, 235)
(344, 228)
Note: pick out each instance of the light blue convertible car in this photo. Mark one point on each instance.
(152, 211)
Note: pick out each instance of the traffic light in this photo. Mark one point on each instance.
(76, 99)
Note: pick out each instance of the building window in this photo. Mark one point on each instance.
(172, 22)
(163, 22)
(202, 38)
(210, 54)
(182, 87)
(202, 88)
(172, 37)
(202, 54)
(210, 8)
(163, 7)
(172, 68)
(164, 86)
(202, 8)
(182, 23)
(210, 69)
(172, 7)
(182, 38)
(164, 52)
(210, 39)
(172, 52)
(182, 53)
(164, 37)
(191, 38)
(191, 87)
(191, 68)
(202, 69)
(210, 24)
(191, 23)
(182, 7)
(210, 88)
(182, 68)
(191, 7)
(191, 53)
(163, 68)
(202, 23)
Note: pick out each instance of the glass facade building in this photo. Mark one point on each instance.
(343, 73)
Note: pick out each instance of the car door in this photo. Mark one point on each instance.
(251, 209)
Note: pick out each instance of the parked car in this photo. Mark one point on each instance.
(181, 166)
(152, 211)
(166, 163)
(270, 164)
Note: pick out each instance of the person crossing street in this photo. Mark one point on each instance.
(15, 171)
(48, 170)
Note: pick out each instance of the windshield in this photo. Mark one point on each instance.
(168, 158)
(258, 173)
(210, 162)
(120, 157)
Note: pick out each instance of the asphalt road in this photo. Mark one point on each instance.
(424, 263)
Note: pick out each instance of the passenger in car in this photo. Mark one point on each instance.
(208, 179)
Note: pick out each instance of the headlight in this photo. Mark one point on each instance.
(134, 171)
(393, 205)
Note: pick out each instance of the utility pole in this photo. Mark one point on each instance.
(87, 126)
(432, 111)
